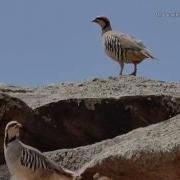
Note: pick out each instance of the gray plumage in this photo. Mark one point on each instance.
(122, 47)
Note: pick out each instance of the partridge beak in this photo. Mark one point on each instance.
(94, 20)
(20, 126)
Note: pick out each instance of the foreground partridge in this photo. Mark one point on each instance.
(27, 163)
(122, 47)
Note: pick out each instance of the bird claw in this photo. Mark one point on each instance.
(133, 74)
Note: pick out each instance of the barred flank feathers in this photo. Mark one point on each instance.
(32, 160)
(119, 51)
(113, 46)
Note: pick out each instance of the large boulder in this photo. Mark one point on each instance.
(108, 123)
(78, 122)
(149, 153)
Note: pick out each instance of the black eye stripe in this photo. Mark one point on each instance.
(102, 19)
(12, 125)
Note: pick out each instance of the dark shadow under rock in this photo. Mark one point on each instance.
(78, 122)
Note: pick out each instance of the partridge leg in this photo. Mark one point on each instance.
(121, 68)
(135, 70)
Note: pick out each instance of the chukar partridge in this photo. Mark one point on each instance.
(27, 163)
(122, 47)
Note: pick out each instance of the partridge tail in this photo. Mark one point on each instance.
(147, 54)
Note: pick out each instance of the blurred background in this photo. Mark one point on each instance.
(52, 41)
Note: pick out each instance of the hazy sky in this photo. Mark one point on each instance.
(52, 41)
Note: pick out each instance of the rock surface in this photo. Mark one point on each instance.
(145, 153)
(104, 112)
(96, 88)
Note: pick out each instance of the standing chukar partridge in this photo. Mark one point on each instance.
(27, 163)
(122, 47)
